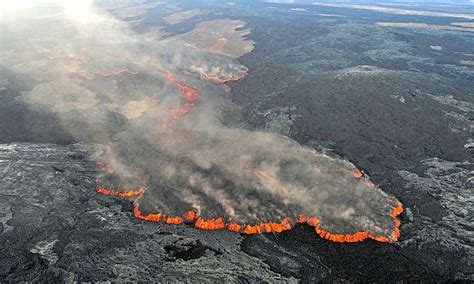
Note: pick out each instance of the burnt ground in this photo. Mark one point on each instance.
(377, 96)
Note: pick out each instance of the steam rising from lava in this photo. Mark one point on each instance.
(176, 157)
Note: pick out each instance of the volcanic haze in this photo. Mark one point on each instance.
(173, 151)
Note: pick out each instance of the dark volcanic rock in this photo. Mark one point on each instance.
(379, 99)
(55, 227)
(302, 254)
(382, 98)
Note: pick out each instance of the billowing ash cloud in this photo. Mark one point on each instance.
(158, 108)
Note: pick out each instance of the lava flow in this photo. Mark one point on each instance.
(266, 227)
(358, 236)
(190, 96)
(188, 104)
(127, 193)
(217, 79)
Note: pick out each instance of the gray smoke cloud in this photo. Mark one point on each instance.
(109, 85)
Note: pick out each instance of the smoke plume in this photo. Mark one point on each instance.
(158, 108)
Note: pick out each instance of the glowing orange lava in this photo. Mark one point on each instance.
(190, 215)
(312, 221)
(220, 80)
(233, 226)
(268, 227)
(190, 95)
(210, 224)
(128, 193)
(174, 220)
(360, 236)
(358, 174)
(187, 91)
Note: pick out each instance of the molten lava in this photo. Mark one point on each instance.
(233, 226)
(190, 95)
(269, 227)
(312, 221)
(210, 224)
(174, 220)
(187, 91)
(358, 174)
(153, 217)
(128, 193)
(190, 215)
(360, 236)
(220, 80)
